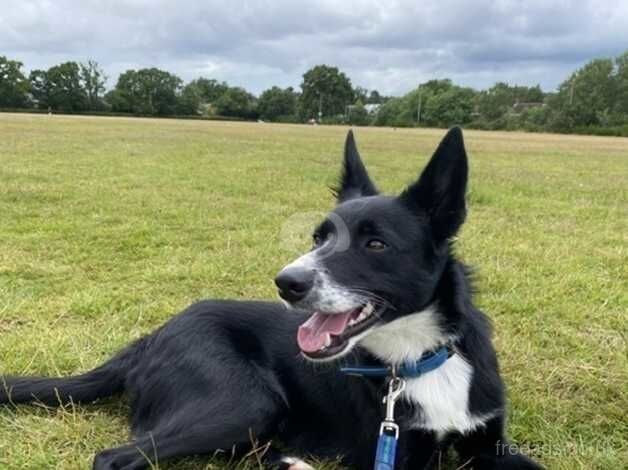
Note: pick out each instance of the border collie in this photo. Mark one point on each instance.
(379, 307)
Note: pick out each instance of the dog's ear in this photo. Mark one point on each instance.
(440, 191)
(354, 179)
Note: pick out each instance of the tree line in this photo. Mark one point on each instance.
(593, 99)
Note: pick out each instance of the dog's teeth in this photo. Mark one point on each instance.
(327, 341)
(364, 314)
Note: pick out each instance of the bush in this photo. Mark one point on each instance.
(236, 102)
(617, 131)
(288, 119)
(358, 115)
(392, 114)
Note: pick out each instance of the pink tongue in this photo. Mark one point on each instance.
(314, 333)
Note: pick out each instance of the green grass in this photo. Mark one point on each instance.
(109, 226)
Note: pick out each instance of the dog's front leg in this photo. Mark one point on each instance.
(486, 448)
(418, 449)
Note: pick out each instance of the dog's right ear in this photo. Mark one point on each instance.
(354, 179)
(439, 193)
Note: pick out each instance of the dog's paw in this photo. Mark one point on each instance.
(294, 463)
(104, 461)
(114, 459)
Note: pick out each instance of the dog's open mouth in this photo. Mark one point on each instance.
(327, 334)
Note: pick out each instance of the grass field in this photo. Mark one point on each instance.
(108, 226)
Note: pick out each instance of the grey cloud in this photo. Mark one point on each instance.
(391, 46)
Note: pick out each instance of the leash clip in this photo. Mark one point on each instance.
(395, 387)
(389, 430)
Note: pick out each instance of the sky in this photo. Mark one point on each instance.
(387, 45)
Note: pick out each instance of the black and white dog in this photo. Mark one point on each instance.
(380, 291)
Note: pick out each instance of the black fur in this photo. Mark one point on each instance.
(354, 179)
(222, 374)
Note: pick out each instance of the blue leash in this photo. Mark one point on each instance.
(386, 452)
(389, 429)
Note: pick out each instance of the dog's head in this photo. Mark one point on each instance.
(376, 258)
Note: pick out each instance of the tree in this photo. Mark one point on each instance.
(146, 91)
(534, 119)
(441, 103)
(358, 115)
(360, 94)
(209, 90)
(393, 113)
(66, 90)
(586, 98)
(59, 87)
(93, 78)
(275, 103)
(620, 108)
(437, 86)
(189, 101)
(496, 102)
(375, 98)
(416, 103)
(532, 94)
(450, 107)
(324, 89)
(40, 88)
(116, 101)
(199, 96)
(236, 102)
(14, 86)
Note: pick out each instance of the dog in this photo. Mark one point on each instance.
(379, 308)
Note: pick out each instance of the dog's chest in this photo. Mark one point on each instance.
(440, 399)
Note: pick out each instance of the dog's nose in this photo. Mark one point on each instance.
(294, 283)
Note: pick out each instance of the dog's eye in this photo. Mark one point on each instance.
(376, 245)
(317, 240)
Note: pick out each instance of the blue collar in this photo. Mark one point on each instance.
(426, 363)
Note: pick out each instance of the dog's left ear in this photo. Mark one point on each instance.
(354, 179)
(440, 191)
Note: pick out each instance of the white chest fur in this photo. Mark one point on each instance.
(442, 395)
(443, 398)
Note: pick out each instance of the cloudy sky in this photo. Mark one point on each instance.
(388, 45)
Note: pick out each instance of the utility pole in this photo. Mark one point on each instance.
(573, 83)
(320, 107)
(418, 108)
